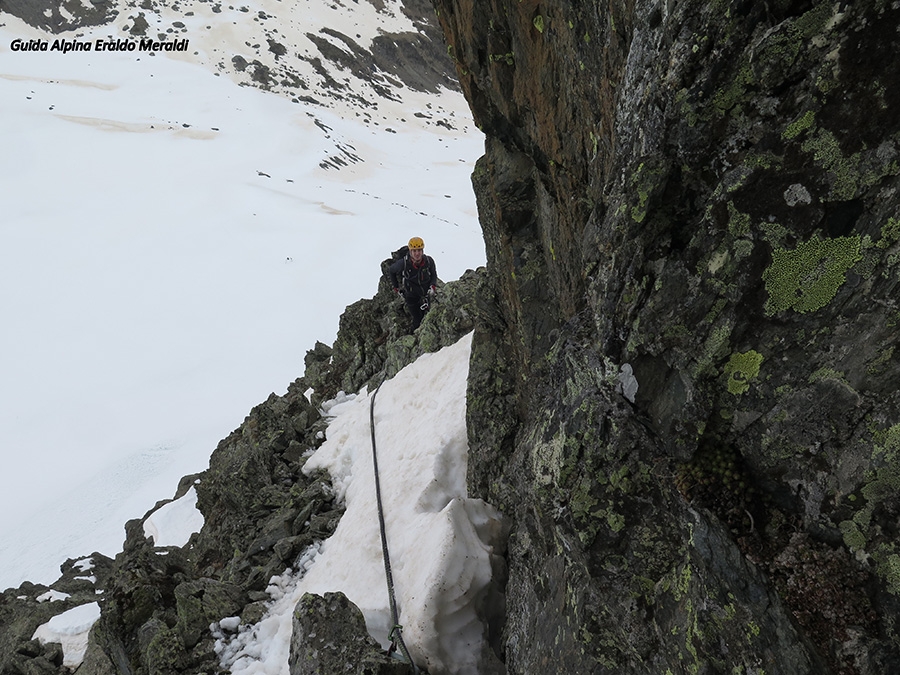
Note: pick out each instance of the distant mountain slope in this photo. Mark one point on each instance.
(367, 55)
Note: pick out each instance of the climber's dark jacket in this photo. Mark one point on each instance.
(411, 279)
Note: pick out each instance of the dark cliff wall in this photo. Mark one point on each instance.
(699, 199)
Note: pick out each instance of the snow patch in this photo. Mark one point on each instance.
(52, 596)
(70, 629)
(263, 648)
(84, 565)
(173, 524)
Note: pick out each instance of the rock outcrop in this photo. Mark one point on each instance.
(330, 634)
(683, 388)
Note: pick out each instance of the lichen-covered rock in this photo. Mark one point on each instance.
(24, 609)
(97, 662)
(704, 196)
(253, 494)
(329, 636)
(202, 602)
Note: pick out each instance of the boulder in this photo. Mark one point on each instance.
(330, 636)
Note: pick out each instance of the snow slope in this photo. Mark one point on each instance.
(173, 243)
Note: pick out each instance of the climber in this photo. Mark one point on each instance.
(414, 276)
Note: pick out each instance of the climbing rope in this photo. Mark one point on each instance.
(397, 629)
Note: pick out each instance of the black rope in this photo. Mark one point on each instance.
(395, 618)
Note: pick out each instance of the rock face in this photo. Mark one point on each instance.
(683, 381)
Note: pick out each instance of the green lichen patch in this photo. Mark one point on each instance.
(879, 364)
(645, 182)
(845, 174)
(871, 257)
(714, 348)
(853, 538)
(738, 223)
(889, 569)
(890, 233)
(509, 58)
(826, 373)
(887, 444)
(806, 278)
(800, 125)
(875, 503)
(725, 99)
(741, 369)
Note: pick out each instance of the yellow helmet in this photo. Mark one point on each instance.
(416, 242)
